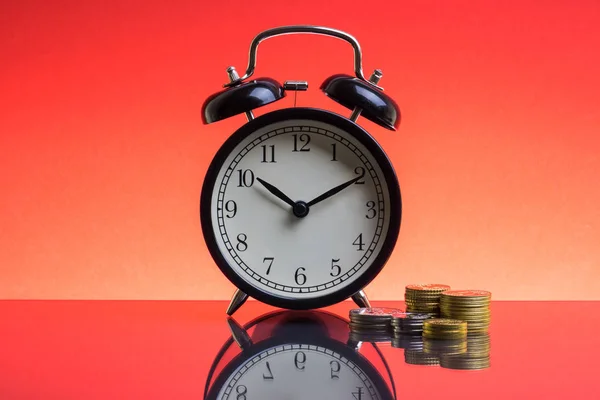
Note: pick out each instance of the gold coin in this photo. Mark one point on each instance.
(445, 330)
(428, 287)
(464, 300)
(457, 311)
(459, 332)
(460, 308)
(426, 362)
(478, 353)
(443, 323)
(422, 303)
(465, 317)
(476, 319)
(417, 357)
(416, 300)
(430, 312)
(484, 338)
(456, 362)
(455, 346)
(422, 294)
(421, 310)
(468, 293)
(468, 319)
(469, 301)
(445, 335)
(478, 330)
(477, 322)
(472, 310)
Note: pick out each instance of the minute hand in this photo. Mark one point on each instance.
(333, 191)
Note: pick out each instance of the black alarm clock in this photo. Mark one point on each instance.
(297, 355)
(300, 207)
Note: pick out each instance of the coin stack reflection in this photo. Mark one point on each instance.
(445, 347)
(477, 355)
(444, 329)
(458, 339)
(414, 353)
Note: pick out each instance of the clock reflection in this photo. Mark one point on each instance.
(297, 355)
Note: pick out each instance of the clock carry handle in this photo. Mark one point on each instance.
(307, 29)
(363, 96)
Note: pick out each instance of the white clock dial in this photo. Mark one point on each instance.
(264, 184)
(302, 371)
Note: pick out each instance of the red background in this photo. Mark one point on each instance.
(103, 151)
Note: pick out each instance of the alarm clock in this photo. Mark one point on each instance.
(297, 355)
(300, 207)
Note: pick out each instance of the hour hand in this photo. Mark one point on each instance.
(278, 193)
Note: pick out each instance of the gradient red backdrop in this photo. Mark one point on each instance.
(103, 151)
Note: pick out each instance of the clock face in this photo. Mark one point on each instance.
(303, 371)
(300, 208)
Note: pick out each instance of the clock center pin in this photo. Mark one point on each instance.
(300, 209)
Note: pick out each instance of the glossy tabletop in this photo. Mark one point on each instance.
(169, 349)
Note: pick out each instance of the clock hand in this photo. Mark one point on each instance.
(333, 191)
(278, 193)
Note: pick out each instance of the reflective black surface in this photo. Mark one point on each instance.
(167, 350)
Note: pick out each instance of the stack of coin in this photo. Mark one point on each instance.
(442, 328)
(424, 298)
(371, 324)
(471, 306)
(419, 357)
(406, 323)
(442, 347)
(477, 355)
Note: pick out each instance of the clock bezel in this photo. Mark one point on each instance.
(358, 133)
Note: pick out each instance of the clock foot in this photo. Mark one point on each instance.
(361, 300)
(354, 344)
(237, 300)
(239, 334)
